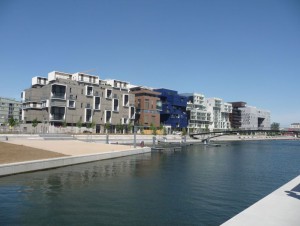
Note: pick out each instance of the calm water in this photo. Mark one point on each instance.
(197, 186)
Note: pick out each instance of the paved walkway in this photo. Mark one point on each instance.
(70, 147)
(281, 207)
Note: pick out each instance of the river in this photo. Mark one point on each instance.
(199, 185)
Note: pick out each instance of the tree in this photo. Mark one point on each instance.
(129, 127)
(35, 123)
(275, 126)
(165, 131)
(107, 127)
(64, 124)
(183, 131)
(161, 126)
(119, 128)
(153, 128)
(79, 124)
(12, 122)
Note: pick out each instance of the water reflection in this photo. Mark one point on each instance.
(197, 186)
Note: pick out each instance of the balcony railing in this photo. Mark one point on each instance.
(57, 117)
(58, 95)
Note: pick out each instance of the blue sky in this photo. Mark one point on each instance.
(233, 49)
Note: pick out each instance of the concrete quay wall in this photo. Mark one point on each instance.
(29, 166)
(281, 207)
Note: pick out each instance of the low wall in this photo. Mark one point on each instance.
(22, 167)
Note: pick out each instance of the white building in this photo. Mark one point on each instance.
(199, 118)
(219, 113)
(295, 126)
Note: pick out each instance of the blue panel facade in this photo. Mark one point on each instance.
(173, 109)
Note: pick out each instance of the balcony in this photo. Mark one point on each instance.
(58, 117)
(58, 92)
(57, 113)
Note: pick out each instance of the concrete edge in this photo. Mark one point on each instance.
(43, 164)
(266, 211)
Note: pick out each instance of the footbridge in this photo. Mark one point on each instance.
(206, 136)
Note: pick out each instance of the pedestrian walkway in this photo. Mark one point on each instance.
(281, 207)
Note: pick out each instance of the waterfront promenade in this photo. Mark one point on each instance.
(281, 207)
(57, 153)
(33, 152)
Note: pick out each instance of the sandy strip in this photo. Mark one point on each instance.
(70, 147)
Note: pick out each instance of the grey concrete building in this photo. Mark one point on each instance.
(9, 108)
(65, 99)
(248, 117)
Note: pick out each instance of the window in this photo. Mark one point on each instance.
(146, 103)
(97, 102)
(139, 104)
(71, 104)
(132, 113)
(89, 91)
(107, 116)
(88, 115)
(124, 121)
(108, 94)
(116, 105)
(125, 100)
(153, 119)
(70, 90)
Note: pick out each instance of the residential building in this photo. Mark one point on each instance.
(199, 119)
(148, 106)
(219, 114)
(236, 116)
(295, 126)
(70, 99)
(9, 108)
(248, 117)
(173, 111)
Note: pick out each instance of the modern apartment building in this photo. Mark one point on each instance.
(248, 117)
(219, 114)
(295, 126)
(173, 111)
(68, 99)
(148, 106)
(9, 108)
(199, 119)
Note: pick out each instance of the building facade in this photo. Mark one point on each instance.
(199, 119)
(248, 117)
(219, 114)
(148, 107)
(73, 99)
(9, 108)
(295, 126)
(173, 111)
